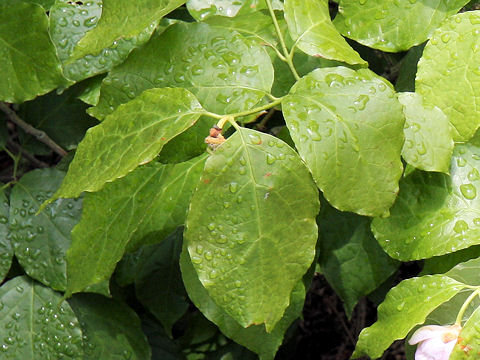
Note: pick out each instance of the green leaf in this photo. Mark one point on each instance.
(37, 325)
(123, 20)
(226, 72)
(141, 208)
(350, 258)
(158, 281)
(29, 64)
(89, 90)
(433, 206)
(251, 224)
(408, 70)
(204, 9)
(255, 337)
(111, 329)
(428, 142)
(46, 4)
(466, 272)
(313, 32)
(348, 127)
(391, 25)
(163, 347)
(405, 306)
(449, 75)
(134, 134)
(468, 345)
(40, 242)
(441, 264)
(6, 250)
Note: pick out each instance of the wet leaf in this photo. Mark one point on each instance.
(6, 250)
(205, 9)
(468, 345)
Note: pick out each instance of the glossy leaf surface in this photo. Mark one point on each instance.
(111, 329)
(392, 25)
(204, 9)
(405, 306)
(6, 250)
(41, 241)
(131, 136)
(29, 64)
(150, 202)
(224, 71)
(433, 207)
(37, 326)
(310, 27)
(252, 181)
(428, 142)
(468, 346)
(347, 126)
(448, 74)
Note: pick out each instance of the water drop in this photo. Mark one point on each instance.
(461, 162)
(233, 187)
(460, 226)
(401, 306)
(382, 87)
(334, 80)
(445, 37)
(270, 159)
(208, 255)
(255, 139)
(468, 191)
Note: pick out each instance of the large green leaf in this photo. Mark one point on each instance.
(405, 306)
(122, 20)
(348, 127)
(150, 202)
(134, 134)
(111, 329)
(350, 258)
(313, 32)
(203, 9)
(28, 64)
(435, 214)
(255, 337)
(6, 250)
(443, 263)
(46, 4)
(449, 75)
(158, 281)
(468, 345)
(40, 242)
(251, 224)
(466, 272)
(428, 142)
(393, 25)
(226, 72)
(35, 325)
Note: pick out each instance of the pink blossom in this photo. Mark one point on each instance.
(435, 342)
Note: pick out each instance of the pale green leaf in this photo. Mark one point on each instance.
(133, 135)
(28, 62)
(222, 69)
(89, 90)
(122, 20)
(6, 250)
(350, 258)
(204, 9)
(393, 25)
(42, 327)
(251, 224)
(111, 329)
(143, 207)
(466, 272)
(348, 127)
(449, 72)
(313, 32)
(255, 337)
(468, 345)
(405, 306)
(40, 242)
(428, 142)
(435, 214)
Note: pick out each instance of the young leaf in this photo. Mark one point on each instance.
(40, 242)
(226, 72)
(348, 127)
(41, 327)
(434, 206)
(466, 272)
(255, 337)
(111, 329)
(468, 345)
(393, 25)
(449, 75)
(405, 306)
(313, 32)
(6, 250)
(151, 201)
(350, 258)
(29, 64)
(428, 142)
(134, 134)
(251, 224)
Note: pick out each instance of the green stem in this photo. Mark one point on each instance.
(465, 306)
(287, 55)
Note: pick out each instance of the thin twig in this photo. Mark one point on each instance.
(262, 124)
(29, 129)
(18, 149)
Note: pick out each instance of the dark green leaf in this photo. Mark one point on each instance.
(441, 264)
(408, 70)
(348, 127)
(251, 224)
(6, 250)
